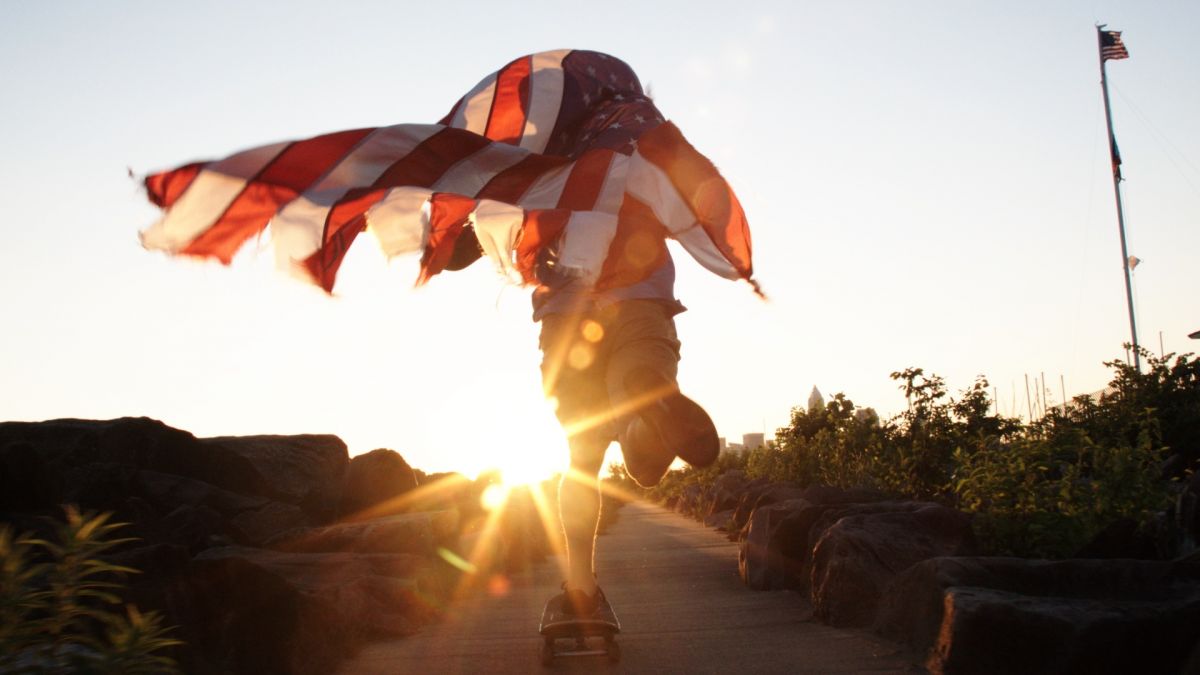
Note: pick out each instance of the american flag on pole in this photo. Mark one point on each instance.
(557, 149)
(1111, 46)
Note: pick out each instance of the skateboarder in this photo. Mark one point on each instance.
(610, 361)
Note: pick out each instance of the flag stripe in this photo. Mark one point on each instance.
(207, 196)
(299, 229)
(426, 163)
(343, 224)
(586, 242)
(476, 106)
(539, 230)
(638, 246)
(367, 163)
(511, 184)
(497, 225)
(399, 220)
(447, 215)
(291, 172)
(506, 120)
(547, 189)
(702, 188)
(585, 180)
(653, 187)
(164, 188)
(470, 175)
(545, 99)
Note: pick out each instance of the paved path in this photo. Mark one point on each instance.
(675, 587)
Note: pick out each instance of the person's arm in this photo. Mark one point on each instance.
(466, 250)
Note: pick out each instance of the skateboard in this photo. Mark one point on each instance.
(558, 627)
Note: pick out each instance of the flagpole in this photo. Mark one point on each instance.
(1116, 176)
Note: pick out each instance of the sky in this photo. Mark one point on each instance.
(927, 185)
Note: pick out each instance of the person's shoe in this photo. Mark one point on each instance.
(579, 603)
(683, 428)
(647, 459)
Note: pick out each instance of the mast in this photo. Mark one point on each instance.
(1116, 177)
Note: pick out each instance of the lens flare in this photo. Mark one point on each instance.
(494, 496)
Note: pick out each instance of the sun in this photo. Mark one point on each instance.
(512, 431)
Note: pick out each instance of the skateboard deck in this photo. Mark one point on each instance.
(571, 636)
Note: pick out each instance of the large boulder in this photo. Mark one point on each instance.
(760, 492)
(772, 551)
(723, 494)
(776, 545)
(256, 611)
(857, 556)
(374, 483)
(1004, 615)
(419, 533)
(247, 519)
(88, 462)
(303, 470)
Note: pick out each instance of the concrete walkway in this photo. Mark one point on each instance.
(674, 586)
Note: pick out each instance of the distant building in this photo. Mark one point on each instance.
(816, 402)
(752, 441)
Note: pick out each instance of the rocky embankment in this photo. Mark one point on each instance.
(277, 554)
(911, 571)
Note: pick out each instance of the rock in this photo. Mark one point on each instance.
(249, 520)
(761, 492)
(89, 462)
(859, 555)
(724, 493)
(374, 481)
(257, 526)
(194, 528)
(26, 482)
(1124, 538)
(721, 520)
(776, 547)
(418, 533)
(772, 530)
(444, 491)
(255, 611)
(993, 615)
(825, 494)
(303, 470)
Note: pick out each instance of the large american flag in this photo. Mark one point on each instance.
(557, 149)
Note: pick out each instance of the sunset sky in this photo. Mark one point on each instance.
(927, 184)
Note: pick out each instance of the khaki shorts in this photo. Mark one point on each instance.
(585, 358)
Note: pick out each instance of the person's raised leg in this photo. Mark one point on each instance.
(658, 422)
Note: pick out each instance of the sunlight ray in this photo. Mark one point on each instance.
(551, 525)
(403, 502)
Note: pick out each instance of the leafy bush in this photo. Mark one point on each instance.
(1048, 498)
(56, 610)
(1039, 489)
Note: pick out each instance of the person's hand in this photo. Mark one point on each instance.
(466, 250)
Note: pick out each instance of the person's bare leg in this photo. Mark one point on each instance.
(579, 508)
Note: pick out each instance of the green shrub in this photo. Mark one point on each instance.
(1048, 497)
(1041, 489)
(57, 612)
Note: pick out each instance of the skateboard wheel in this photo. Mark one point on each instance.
(613, 649)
